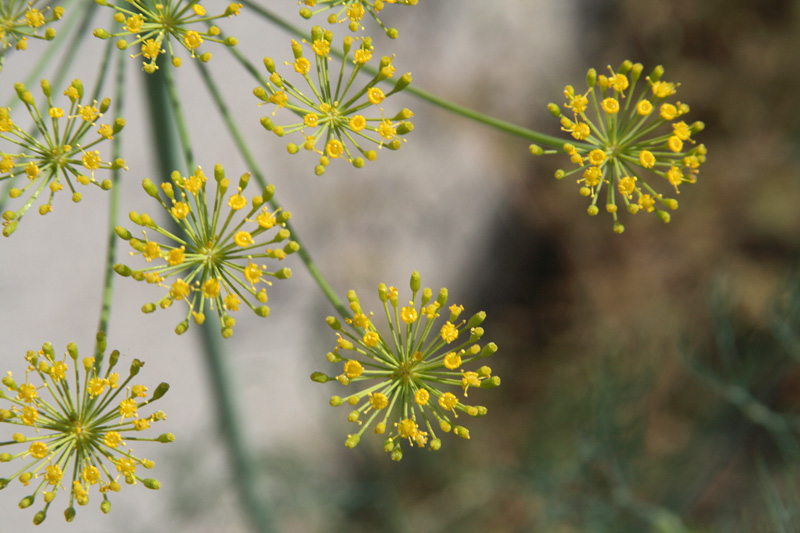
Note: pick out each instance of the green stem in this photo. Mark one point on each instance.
(179, 119)
(247, 154)
(113, 208)
(502, 125)
(165, 121)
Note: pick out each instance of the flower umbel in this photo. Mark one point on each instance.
(151, 23)
(352, 11)
(58, 155)
(623, 140)
(19, 19)
(407, 372)
(83, 426)
(336, 112)
(215, 258)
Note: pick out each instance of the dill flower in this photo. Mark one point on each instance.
(625, 140)
(343, 116)
(352, 11)
(19, 19)
(214, 259)
(406, 374)
(85, 426)
(60, 154)
(150, 23)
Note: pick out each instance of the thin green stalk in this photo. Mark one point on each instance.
(113, 207)
(502, 125)
(247, 154)
(165, 121)
(179, 119)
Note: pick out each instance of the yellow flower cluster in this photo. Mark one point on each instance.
(50, 162)
(621, 137)
(352, 11)
(19, 19)
(406, 370)
(83, 426)
(150, 23)
(215, 252)
(338, 113)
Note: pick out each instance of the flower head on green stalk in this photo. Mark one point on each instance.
(84, 426)
(19, 19)
(151, 23)
(338, 119)
(62, 151)
(627, 139)
(407, 373)
(216, 258)
(351, 11)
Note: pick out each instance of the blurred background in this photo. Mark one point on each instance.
(650, 380)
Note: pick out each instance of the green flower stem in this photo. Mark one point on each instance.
(507, 127)
(244, 473)
(502, 125)
(179, 119)
(113, 208)
(247, 154)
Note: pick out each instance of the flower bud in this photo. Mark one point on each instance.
(284, 273)
(488, 350)
(122, 270)
(160, 391)
(404, 128)
(491, 382)
(416, 281)
(591, 77)
(150, 188)
(318, 377)
(135, 366)
(26, 502)
(166, 438)
(402, 83)
(397, 453)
